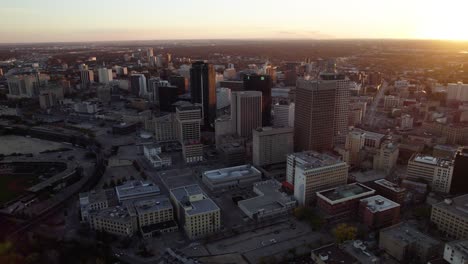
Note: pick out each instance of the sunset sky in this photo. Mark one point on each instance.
(98, 20)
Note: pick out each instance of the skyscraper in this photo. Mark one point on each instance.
(138, 84)
(460, 176)
(321, 113)
(87, 77)
(105, 75)
(246, 112)
(203, 90)
(261, 83)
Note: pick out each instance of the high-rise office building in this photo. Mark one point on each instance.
(246, 112)
(354, 144)
(203, 90)
(321, 112)
(460, 172)
(104, 75)
(168, 96)
(283, 115)
(263, 84)
(138, 84)
(189, 119)
(87, 77)
(181, 82)
(271, 145)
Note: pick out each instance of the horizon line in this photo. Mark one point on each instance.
(231, 39)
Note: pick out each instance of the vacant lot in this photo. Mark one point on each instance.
(18, 144)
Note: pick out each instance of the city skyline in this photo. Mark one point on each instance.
(66, 21)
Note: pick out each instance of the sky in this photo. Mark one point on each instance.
(104, 20)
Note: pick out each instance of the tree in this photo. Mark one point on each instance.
(344, 232)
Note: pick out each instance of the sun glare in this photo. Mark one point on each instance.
(444, 21)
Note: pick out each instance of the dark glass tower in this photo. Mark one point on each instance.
(261, 83)
(203, 91)
(460, 172)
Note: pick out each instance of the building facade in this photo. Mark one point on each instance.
(271, 145)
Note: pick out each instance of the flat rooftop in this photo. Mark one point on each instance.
(332, 254)
(379, 203)
(136, 188)
(193, 206)
(389, 185)
(457, 205)
(430, 160)
(152, 205)
(231, 173)
(367, 176)
(116, 213)
(269, 197)
(313, 159)
(345, 193)
(461, 246)
(408, 234)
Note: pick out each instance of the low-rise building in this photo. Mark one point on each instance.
(154, 155)
(451, 217)
(96, 200)
(155, 215)
(196, 212)
(390, 190)
(136, 189)
(230, 178)
(342, 202)
(332, 254)
(408, 245)
(456, 252)
(269, 203)
(116, 220)
(378, 212)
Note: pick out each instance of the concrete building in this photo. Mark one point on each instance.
(87, 78)
(354, 145)
(408, 245)
(95, 201)
(271, 145)
(406, 122)
(104, 94)
(342, 202)
(155, 215)
(283, 115)
(26, 85)
(153, 154)
(105, 75)
(135, 190)
(321, 112)
(223, 98)
(436, 172)
(189, 120)
(390, 190)
(270, 202)
(164, 127)
(457, 92)
(386, 158)
(377, 212)
(456, 252)
(451, 217)
(311, 171)
(230, 178)
(116, 220)
(51, 97)
(391, 102)
(444, 151)
(332, 254)
(196, 212)
(246, 112)
(85, 107)
(232, 153)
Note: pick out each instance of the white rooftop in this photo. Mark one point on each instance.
(379, 203)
